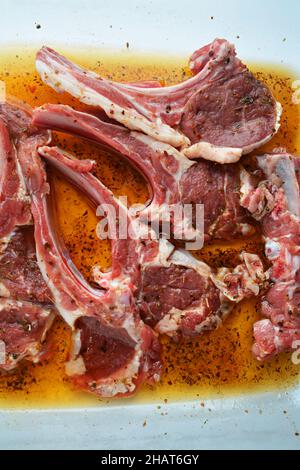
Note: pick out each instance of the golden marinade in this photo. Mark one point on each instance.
(218, 363)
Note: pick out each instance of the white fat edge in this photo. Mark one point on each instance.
(50, 315)
(217, 279)
(245, 229)
(250, 282)
(256, 272)
(122, 381)
(119, 283)
(4, 292)
(33, 351)
(170, 323)
(132, 329)
(296, 263)
(112, 388)
(183, 163)
(167, 254)
(288, 258)
(75, 367)
(281, 166)
(246, 185)
(183, 258)
(213, 152)
(4, 303)
(64, 81)
(272, 249)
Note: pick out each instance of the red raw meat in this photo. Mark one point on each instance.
(26, 310)
(174, 179)
(275, 200)
(220, 113)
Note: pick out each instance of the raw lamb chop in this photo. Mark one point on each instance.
(220, 113)
(26, 310)
(177, 294)
(113, 351)
(274, 199)
(174, 179)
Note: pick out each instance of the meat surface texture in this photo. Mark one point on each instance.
(220, 113)
(26, 310)
(176, 294)
(174, 179)
(181, 296)
(275, 200)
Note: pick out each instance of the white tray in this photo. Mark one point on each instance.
(176, 27)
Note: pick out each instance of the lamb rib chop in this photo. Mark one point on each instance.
(274, 199)
(174, 179)
(26, 310)
(220, 113)
(113, 351)
(177, 294)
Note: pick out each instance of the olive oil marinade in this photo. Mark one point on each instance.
(216, 364)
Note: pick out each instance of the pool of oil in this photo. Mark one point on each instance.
(219, 363)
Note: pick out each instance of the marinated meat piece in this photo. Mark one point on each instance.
(223, 110)
(113, 351)
(26, 310)
(274, 200)
(174, 179)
